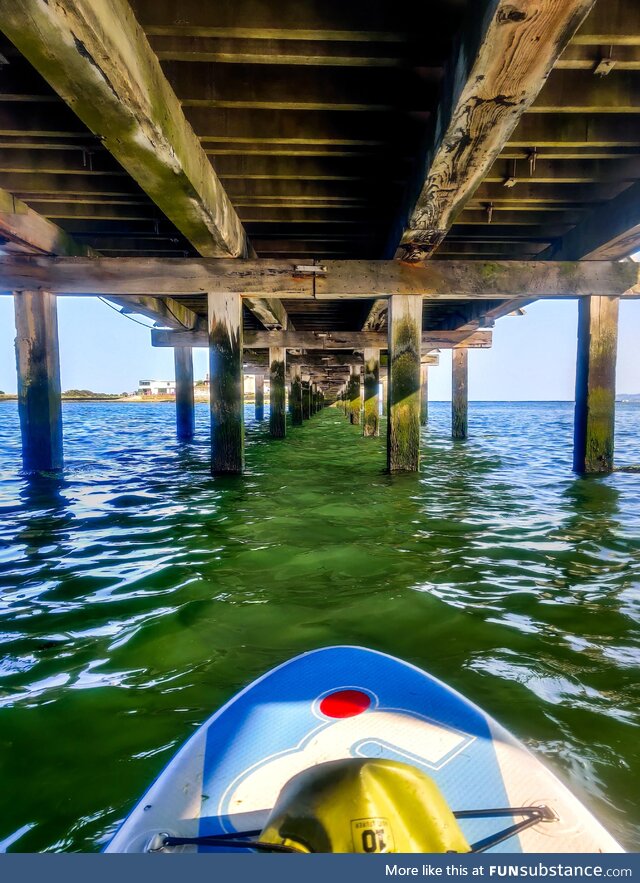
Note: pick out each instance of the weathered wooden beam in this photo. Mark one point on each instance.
(317, 342)
(595, 385)
(259, 396)
(326, 342)
(97, 57)
(424, 394)
(370, 422)
(459, 394)
(20, 225)
(448, 280)
(38, 365)
(355, 395)
(226, 384)
(403, 425)
(277, 410)
(500, 65)
(185, 413)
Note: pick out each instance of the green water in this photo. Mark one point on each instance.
(138, 594)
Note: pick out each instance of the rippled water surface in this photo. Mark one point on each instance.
(138, 594)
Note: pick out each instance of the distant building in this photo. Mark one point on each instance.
(156, 387)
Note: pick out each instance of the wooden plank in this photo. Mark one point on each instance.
(370, 421)
(568, 92)
(448, 280)
(582, 130)
(259, 394)
(326, 342)
(403, 425)
(614, 23)
(459, 394)
(38, 364)
(291, 51)
(500, 66)
(97, 58)
(226, 384)
(185, 413)
(595, 385)
(610, 233)
(277, 410)
(351, 89)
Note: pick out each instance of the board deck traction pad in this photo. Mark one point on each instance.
(339, 702)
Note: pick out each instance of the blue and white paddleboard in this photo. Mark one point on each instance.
(341, 702)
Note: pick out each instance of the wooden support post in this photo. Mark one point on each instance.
(277, 410)
(345, 398)
(296, 396)
(306, 393)
(185, 413)
(459, 393)
(38, 364)
(259, 385)
(225, 383)
(371, 425)
(424, 395)
(595, 384)
(355, 398)
(385, 396)
(403, 427)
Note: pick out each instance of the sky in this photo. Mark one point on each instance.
(532, 358)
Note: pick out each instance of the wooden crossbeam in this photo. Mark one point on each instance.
(334, 340)
(501, 64)
(334, 280)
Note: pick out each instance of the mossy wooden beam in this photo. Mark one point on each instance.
(296, 395)
(259, 396)
(403, 424)
(226, 384)
(334, 280)
(502, 61)
(38, 365)
(370, 419)
(424, 394)
(355, 395)
(595, 385)
(277, 409)
(185, 412)
(459, 394)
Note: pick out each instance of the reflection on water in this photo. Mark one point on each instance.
(138, 593)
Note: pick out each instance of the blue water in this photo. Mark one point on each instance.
(138, 593)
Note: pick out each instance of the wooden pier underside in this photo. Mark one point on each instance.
(318, 159)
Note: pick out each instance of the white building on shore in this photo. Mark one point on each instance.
(156, 387)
